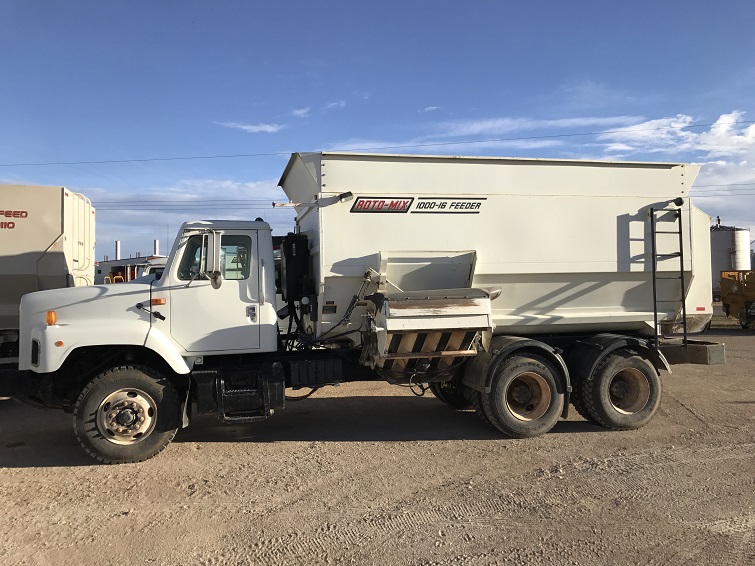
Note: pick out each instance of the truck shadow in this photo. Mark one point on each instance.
(31, 437)
(38, 438)
(360, 419)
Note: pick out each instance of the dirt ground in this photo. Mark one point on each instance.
(371, 474)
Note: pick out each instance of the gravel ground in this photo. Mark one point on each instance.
(371, 474)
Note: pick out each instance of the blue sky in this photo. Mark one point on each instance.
(124, 83)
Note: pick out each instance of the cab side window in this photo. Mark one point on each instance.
(235, 253)
(234, 256)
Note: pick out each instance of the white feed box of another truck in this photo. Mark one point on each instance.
(46, 242)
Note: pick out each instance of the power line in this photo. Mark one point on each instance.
(173, 201)
(406, 146)
(145, 160)
(722, 190)
(147, 204)
(725, 185)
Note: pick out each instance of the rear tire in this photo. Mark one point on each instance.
(451, 393)
(524, 399)
(480, 410)
(126, 414)
(576, 399)
(623, 393)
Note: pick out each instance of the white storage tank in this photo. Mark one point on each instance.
(729, 251)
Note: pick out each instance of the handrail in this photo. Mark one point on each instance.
(263, 283)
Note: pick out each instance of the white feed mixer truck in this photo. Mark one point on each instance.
(513, 286)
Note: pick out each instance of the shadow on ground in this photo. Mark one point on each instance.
(31, 437)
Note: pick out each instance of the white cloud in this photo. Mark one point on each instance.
(253, 128)
(430, 146)
(301, 112)
(334, 105)
(431, 108)
(499, 126)
(725, 186)
(727, 137)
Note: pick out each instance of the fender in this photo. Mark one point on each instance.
(480, 371)
(100, 333)
(589, 352)
(163, 347)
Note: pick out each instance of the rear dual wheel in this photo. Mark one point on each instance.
(623, 392)
(525, 399)
(451, 392)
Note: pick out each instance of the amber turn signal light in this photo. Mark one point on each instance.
(51, 318)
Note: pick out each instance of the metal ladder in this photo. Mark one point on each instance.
(676, 218)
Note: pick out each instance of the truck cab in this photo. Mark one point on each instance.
(218, 289)
(179, 317)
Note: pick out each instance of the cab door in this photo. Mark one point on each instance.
(208, 320)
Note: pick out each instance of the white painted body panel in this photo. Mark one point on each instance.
(566, 241)
(101, 315)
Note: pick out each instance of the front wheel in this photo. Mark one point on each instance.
(524, 399)
(126, 414)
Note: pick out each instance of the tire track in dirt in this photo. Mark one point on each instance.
(742, 530)
(75, 526)
(357, 530)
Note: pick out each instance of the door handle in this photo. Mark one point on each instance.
(251, 313)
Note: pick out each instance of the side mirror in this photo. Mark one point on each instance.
(214, 259)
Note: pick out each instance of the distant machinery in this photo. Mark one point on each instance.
(729, 251)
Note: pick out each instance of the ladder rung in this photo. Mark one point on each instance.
(667, 232)
(675, 254)
(669, 278)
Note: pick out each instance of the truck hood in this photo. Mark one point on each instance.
(114, 301)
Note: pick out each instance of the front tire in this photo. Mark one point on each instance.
(126, 414)
(524, 399)
(623, 393)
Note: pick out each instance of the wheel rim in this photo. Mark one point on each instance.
(629, 391)
(127, 416)
(528, 396)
